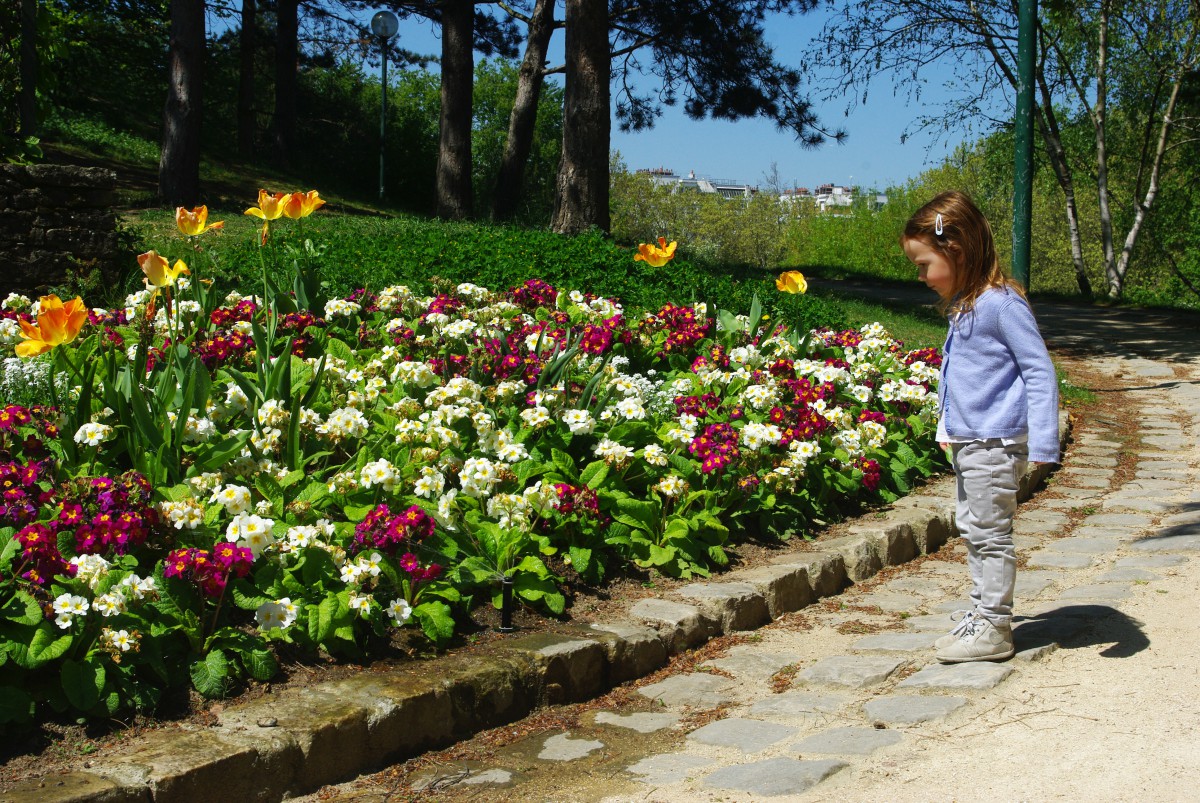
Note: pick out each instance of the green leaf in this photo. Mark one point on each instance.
(436, 621)
(565, 463)
(339, 349)
(16, 705)
(22, 609)
(261, 664)
(594, 473)
(210, 676)
(46, 646)
(83, 682)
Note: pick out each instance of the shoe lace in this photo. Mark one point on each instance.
(965, 620)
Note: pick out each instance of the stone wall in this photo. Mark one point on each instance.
(57, 228)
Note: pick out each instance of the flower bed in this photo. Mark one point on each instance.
(215, 475)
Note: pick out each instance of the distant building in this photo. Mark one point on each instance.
(828, 196)
(665, 177)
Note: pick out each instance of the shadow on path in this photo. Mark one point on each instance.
(1074, 626)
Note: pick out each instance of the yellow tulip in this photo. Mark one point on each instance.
(58, 323)
(193, 222)
(302, 204)
(656, 255)
(792, 281)
(158, 274)
(270, 207)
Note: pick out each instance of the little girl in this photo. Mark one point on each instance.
(998, 399)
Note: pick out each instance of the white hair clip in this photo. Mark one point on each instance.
(937, 225)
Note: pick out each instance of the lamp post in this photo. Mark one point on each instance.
(384, 25)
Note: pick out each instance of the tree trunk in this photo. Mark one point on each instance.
(454, 200)
(1048, 125)
(510, 185)
(287, 56)
(245, 102)
(28, 68)
(581, 191)
(1100, 123)
(179, 163)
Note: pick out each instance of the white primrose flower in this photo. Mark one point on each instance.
(535, 417)
(671, 485)
(579, 422)
(361, 603)
(631, 409)
(370, 564)
(379, 473)
(861, 393)
(760, 436)
(345, 422)
(91, 569)
(254, 532)
(849, 441)
(416, 374)
(399, 610)
(92, 434)
(110, 604)
(340, 307)
(137, 588)
(508, 450)
(117, 641)
(655, 455)
(235, 498)
(541, 498)
(477, 476)
(612, 451)
(281, 614)
(447, 510)
(873, 434)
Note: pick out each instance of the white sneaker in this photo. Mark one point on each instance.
(963, 618)
(980, 641)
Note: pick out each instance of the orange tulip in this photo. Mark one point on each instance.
(58, 323)
(193, 222)
(302, 204)
(158, 274)
(792, 281)
(656, 255)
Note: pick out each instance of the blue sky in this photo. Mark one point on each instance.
(871, 156)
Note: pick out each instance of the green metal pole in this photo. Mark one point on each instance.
(1023, 149)
(382, 110)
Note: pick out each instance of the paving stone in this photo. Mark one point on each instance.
(1150, 561)
(561, 747)
(895, 642)
(856, 671)
(891, 602)
(1128, 574)
(848, 741)
(695, 690)
(796, 703)
(752, 665)
(1088, 471)
(916, 585)
(1169, 543)
(642, 721)
(1084, 546)
(1111, 533)
(737, 606)
(1031, 633)
(1078, 481)
(1052, 560)
(1080, 495)
(937, 621)
(1139, 503)
(1030, 584)
(1106, 591)
(948, 607)
(747, 735)
(1118, 520)
(1037, 527)
(978, 676)
(465, 773)
(492, 777)
(775, 776)
(667, 768)
(909, 709)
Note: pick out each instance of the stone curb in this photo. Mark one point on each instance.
(287, 745)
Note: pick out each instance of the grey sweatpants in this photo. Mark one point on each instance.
(988, 474)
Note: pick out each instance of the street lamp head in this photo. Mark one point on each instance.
(384, 24)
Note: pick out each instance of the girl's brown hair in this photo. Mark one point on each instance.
(953, 226)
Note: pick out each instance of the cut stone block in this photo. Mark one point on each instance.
(910, 709)
(1128, 575)
(733, 606)
(681, 626)
(747, 735)
(1030, 584)
(935, 621)
(694, 690)
(1081, 546)
(785, 587)
(855, 671)
(775, 776)
(1189, 542)
(848, 741)
(573, 668)
(667, 768)
(633, 651)
(977, 676)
